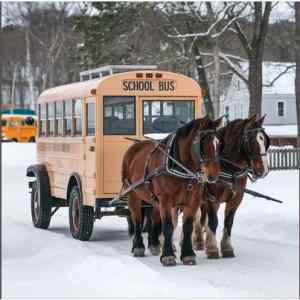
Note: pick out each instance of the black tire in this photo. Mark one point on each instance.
(31, 140)
(81, 217)
(40, 204)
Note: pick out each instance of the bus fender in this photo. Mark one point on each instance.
(39, 171)
(74, 180)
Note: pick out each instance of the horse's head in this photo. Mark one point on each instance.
(255, 143)
(206, 148)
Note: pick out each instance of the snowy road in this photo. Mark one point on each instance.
(50, 263)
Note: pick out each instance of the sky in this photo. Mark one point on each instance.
(282, 10)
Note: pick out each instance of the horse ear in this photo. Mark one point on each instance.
(219, 122)
(260, 120)
(250, 121)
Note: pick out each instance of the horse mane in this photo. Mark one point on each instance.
(232, 135)
(185, 130)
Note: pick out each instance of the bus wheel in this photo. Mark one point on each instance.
(81, 217)
(15, 140)
(31, 140)
(40, 205)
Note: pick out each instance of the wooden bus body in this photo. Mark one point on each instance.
(83, 128)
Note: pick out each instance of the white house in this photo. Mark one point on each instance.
(278, 100)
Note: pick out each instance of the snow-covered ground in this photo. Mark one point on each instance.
(50, 263)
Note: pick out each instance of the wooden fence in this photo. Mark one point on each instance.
(284, 159)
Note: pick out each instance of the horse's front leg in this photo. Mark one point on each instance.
(187, 253)
(230, 210)
(134, 205)
(211, 247)
(199, 225)
(154, 232)
(168, 256)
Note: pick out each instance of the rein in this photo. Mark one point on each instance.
(248, 171)
(196, 146)
(188, 173)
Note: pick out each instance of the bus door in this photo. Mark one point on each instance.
(119, 123)
(89, 177)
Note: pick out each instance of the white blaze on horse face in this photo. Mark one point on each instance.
(262, 146)
(216, 143)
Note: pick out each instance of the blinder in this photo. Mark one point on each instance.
(246, 143)
(198, 142)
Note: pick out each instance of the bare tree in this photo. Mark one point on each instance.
(254, 50)
(205, 25)
(297, 80)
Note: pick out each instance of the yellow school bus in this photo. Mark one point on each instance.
(18, 128)
(83, 131)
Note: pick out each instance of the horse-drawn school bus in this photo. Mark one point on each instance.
(85, 128)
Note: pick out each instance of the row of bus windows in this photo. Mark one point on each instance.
(64, 118)
(159, 116)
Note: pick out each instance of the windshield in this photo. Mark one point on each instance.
(164, 116)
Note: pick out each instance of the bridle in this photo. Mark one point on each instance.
(197, 145)
(233, 170)
(246, 144)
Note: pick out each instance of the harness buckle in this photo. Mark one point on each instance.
(189, 187)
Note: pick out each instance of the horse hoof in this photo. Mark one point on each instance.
(139, 252)
(174, 248)
(228, 253)
(155, 250)
(189, 260)
(212, 254)
(199, 246)
(168, 261)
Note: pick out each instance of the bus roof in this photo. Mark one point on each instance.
(83, 88)
(18, 111)
(72, 90)
(16, 116)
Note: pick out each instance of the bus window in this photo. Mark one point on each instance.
(42, 123)
(3, 122)
(29, 121)
(51, 119)
(59, 118)
(77, 117)
(68, 117)
(166, 116)
(119, 115)
(90, 119)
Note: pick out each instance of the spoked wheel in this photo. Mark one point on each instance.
(75, 211)
(36, 205)
(81, 218)
(40, 206)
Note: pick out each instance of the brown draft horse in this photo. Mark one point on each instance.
(245, 149)
(198, 147)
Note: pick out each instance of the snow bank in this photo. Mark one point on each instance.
(281, 130)
(50, 263)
